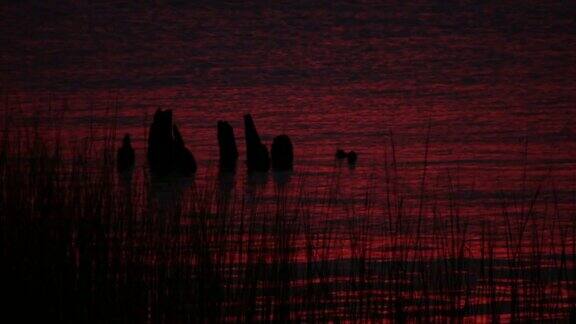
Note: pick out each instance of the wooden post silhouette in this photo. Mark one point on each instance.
(282, 153)
(227, 145)
(125, 157)
(166, 150)
(184, 162)
(257, 158)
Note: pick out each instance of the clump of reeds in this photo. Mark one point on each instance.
(81, 244)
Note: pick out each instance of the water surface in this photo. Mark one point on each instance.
(490, 87)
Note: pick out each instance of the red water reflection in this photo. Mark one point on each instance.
(477, 225)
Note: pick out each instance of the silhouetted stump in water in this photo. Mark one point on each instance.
(227, 145)
(257, 158)
(352, 157)
(166, 192)
(282, 177)
(184, 162)
(160, 143)
(226, 183)
(340, 154)
(282, 153)
(166, 150)
(125, 156)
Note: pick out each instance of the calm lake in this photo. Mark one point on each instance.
(470, 102)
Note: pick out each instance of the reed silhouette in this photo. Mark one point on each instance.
(77, 248)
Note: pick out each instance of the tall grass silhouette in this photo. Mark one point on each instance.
(81, 244)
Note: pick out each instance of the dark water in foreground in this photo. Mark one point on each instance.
(494, 83)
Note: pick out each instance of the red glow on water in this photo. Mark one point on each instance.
(461, 203)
